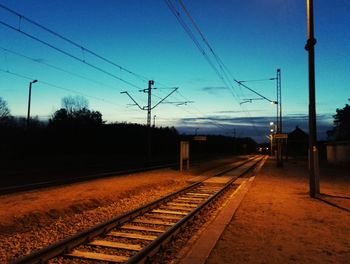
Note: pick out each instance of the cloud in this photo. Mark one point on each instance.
(39, 60)
(213, 89)
(254, 127)
(229, 112)
(197, 80)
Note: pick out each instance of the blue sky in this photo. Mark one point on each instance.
(253, 38)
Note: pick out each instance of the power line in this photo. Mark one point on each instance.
(217, 124)
(195, 41)
(54, 67)
(57, 86)
(67, 54)
(259, 80)
(216, 57)
(84, 49)
(200, 48)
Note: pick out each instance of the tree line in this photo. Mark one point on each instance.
(341, 125)
(76, 137)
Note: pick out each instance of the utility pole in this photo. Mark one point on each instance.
(279, 120)
(29, 101)
(313, 152)
(149, 109)
(149, 106)
(279, 100)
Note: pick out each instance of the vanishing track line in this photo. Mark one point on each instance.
(135, 236)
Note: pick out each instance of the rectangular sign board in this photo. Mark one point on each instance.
(200, 138)
(280, 135)
(184, 154)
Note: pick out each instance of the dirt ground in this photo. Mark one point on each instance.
(55, 201)
(277, 222)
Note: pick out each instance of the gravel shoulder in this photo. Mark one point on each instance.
(277, 222)
(32, 220)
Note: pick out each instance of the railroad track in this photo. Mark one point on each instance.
(135, 236)
(58, 182)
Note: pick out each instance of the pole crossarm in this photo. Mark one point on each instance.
(259, 80)
(125, 92)
(250, 89)
(148, 107)
(250, 100)
(175, 89)
(179, 103)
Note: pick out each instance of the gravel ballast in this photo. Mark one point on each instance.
(32, 220)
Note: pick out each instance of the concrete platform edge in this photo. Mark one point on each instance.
(207, 240)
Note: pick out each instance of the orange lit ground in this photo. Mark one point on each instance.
(277, 222)
(50, 203)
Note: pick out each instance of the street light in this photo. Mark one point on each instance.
(29, 99)
(195, 130)
(154, 120)
(273, 130)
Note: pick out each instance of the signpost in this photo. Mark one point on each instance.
(184, 154)
(200, 138)
(281, 135)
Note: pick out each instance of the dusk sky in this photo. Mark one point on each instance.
(252, 38)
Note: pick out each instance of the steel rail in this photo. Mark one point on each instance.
(39, 185)
(63, 246)
(144, 254)
(67, 244)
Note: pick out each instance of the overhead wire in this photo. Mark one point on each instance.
(198, 45)
(195, 41)
(57, 86)
(84, 49)
(68, 54)
(205, 40)
(55, 67)
(216, 57)
(181, 106)
(215, 123)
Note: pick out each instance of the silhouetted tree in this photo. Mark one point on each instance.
(4, 111)
(74, 104)
(341, 129)
(82, 117)
(75, 113)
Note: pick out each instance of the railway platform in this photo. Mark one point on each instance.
(272, 219)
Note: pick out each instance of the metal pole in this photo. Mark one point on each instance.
(149, 106)
(279, 103)
(29, 99)
(277, 140)
(310, 47)
(271, 144)
(279, 100)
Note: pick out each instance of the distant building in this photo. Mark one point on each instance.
(338, 153)
(298, 142)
